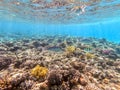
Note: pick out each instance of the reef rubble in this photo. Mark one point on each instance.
(59, 63)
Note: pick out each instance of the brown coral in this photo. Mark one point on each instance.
(5, 62)
(5, 83)
(55, 78)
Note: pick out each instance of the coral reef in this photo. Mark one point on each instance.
(59, 63)
(39, 71)
(12, 82)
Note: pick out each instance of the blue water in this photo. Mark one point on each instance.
(109, 29)
(100, 20)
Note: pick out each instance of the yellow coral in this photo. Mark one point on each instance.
(39, 72)
(106, 81)
(70, 49)
(90, 56)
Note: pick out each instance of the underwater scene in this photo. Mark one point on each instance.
(59, 45)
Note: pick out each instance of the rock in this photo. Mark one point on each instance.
(69, 42)
(102, 76)
(88, 68)
(25, 40)
(106, 81)
(15, 48)
(118, 68)
(9, 44)
(62, 45)
(82, 81)
(43, 44)
(92, 87)
(65, 86)
(103, 40)
(18, 63)
(78, 65)
(55, 78)
(5, 83)
(118, 50)
(28, 64)
(113, 56)
(110, 62)
(94, 45)
(40, 49)
(18, 78)
(96, 73)
(5, 62)
(86, 40)
(44, 86)
(3, 52)
(36, 44)
(102, 63)
(78, 52)
(27, 84)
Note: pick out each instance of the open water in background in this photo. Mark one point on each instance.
(100, 20)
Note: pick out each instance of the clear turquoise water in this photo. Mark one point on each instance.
(108, 30)
(101, 20)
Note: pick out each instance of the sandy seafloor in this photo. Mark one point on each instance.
(59, 63)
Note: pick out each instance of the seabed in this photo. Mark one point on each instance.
(59, 63)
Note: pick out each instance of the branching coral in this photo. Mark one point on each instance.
(39, 71)
(70, 49)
